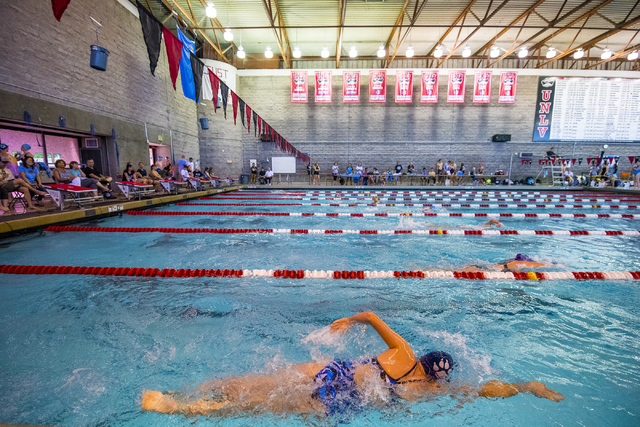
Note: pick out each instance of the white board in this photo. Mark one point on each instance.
(283, 164)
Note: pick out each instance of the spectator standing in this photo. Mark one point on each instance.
(636, 173)
(440, 171)
(335, 171)
(399, 172)
(316, 174)
(254, 173)
(181, 165)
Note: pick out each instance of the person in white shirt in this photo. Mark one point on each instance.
(191, 164)
(268, 175)
(186, 173)
(335, 171)
(359, 169)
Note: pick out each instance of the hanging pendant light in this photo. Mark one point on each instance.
(353, 52)
(633, 56)
(296, 52)
(228, 35)
(551, 52)
(578, 54)
(211, 11)
(524, 52)
(268, 53)
(606, 54)
(241, 53)
(438, 52)
(410, 52)
(325, 52)
(466, 52)
(381, 52)
(495, 51)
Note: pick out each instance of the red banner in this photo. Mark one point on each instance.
(351, 87)
(404, 86)
(429, 86)
(482, 87)
(378, 86)
(299, 87)
(508, 80)
(456, 86)
(324, 87)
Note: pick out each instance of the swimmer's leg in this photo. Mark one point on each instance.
(156, 401)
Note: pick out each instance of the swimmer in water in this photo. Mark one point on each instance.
(331, 387)
(487, 224)
(518, 263)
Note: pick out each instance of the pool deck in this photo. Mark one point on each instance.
(29, 222)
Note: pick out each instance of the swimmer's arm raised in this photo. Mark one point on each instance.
(390, 337)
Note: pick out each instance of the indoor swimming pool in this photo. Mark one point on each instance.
(81, 346)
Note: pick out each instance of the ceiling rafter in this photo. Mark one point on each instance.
(627, 50)
(342, 12)
(399, 21)
(558, 18)
(281, 32)
(217, 26)
(458, 19)
(486, 19)
(417, 10)
(193, 25)
(593, 41)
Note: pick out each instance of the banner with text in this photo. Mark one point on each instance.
(351, 87)
(324, 87)
(429, 86)
(455, 93)
(544, 108)
(378, 86)
(482, 87)
(299, 87)
(507, 94)
(404, 86)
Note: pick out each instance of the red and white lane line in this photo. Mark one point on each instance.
(410, 199)
(316, 274)
(56, 228)
(430, 205)
(390, 215)
(507, 194)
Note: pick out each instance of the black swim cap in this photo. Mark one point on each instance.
(437, 361)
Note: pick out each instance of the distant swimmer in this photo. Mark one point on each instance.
(518, 263)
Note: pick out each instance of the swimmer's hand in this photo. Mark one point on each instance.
(156, 401)
(540, 390)
(341, 325)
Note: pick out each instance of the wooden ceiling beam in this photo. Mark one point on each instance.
(458, 19)
(284, 48)
(342, 13)
(417, 10)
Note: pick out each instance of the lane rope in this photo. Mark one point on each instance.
(317, 274)
(409, 199)
(440, 193)
(391, 215)
(431, 205)
(56, 228)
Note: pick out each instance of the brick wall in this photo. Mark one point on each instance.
(45, 68)
(378, 135)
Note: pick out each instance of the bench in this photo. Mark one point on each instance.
(135, 189)
(60, 193)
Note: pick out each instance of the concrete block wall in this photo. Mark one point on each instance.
(45, 67)
(380, 134)
(221, 144)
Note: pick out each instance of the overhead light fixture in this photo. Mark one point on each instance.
(438, 52)
(228, 35)
(410, 52)
(524, 52)
(381, 52)
(296, 52)
(325, 52)
(353, 52)
(495, 51)
(633, 55)
(241, 53)
(551, 52)
(606, 54)
(211, 11)
(578, 54)
(466, 52)
(268, 53)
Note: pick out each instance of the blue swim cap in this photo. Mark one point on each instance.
(27, 146)
(437, 361)
(521, 257)
(3, 146)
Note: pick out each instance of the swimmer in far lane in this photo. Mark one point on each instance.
(334, 386)
(518, 263)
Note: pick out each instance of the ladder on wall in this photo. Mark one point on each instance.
(556, 174)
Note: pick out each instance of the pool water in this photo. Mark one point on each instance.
(81, 350)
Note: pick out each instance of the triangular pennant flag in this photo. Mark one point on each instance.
(152, 32)
(574, 161)
(255, 123)
(588, 160)
(186, 71)
(59, 6)
(523, 161)
(215, 88)
(540, 161)
(174, 52)
(249, 119)
(197, 66)
(260, 126)
(631, 158)
(224, 93)
(207, 93)
(242, 106)
(273, 135)
(234, 103)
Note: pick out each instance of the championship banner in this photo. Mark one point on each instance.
(299, 87)
(482, 87)
(378, 86)
(404, 86)
(351, 87)
(456, 86)
(508, 80)
(324, 87)
(429, 86)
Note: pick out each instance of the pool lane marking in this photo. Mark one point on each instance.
(431, 205)
(319, 231)
(317, 274)
(441, 194)
(409, 199)
(391, 215)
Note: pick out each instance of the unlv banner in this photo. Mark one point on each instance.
(482, 87)
(429, 86)
(351, 86)
(456, 86)
(378, 86)
(507, 94)
(324, 87)
(404, 86)
(299, 87)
